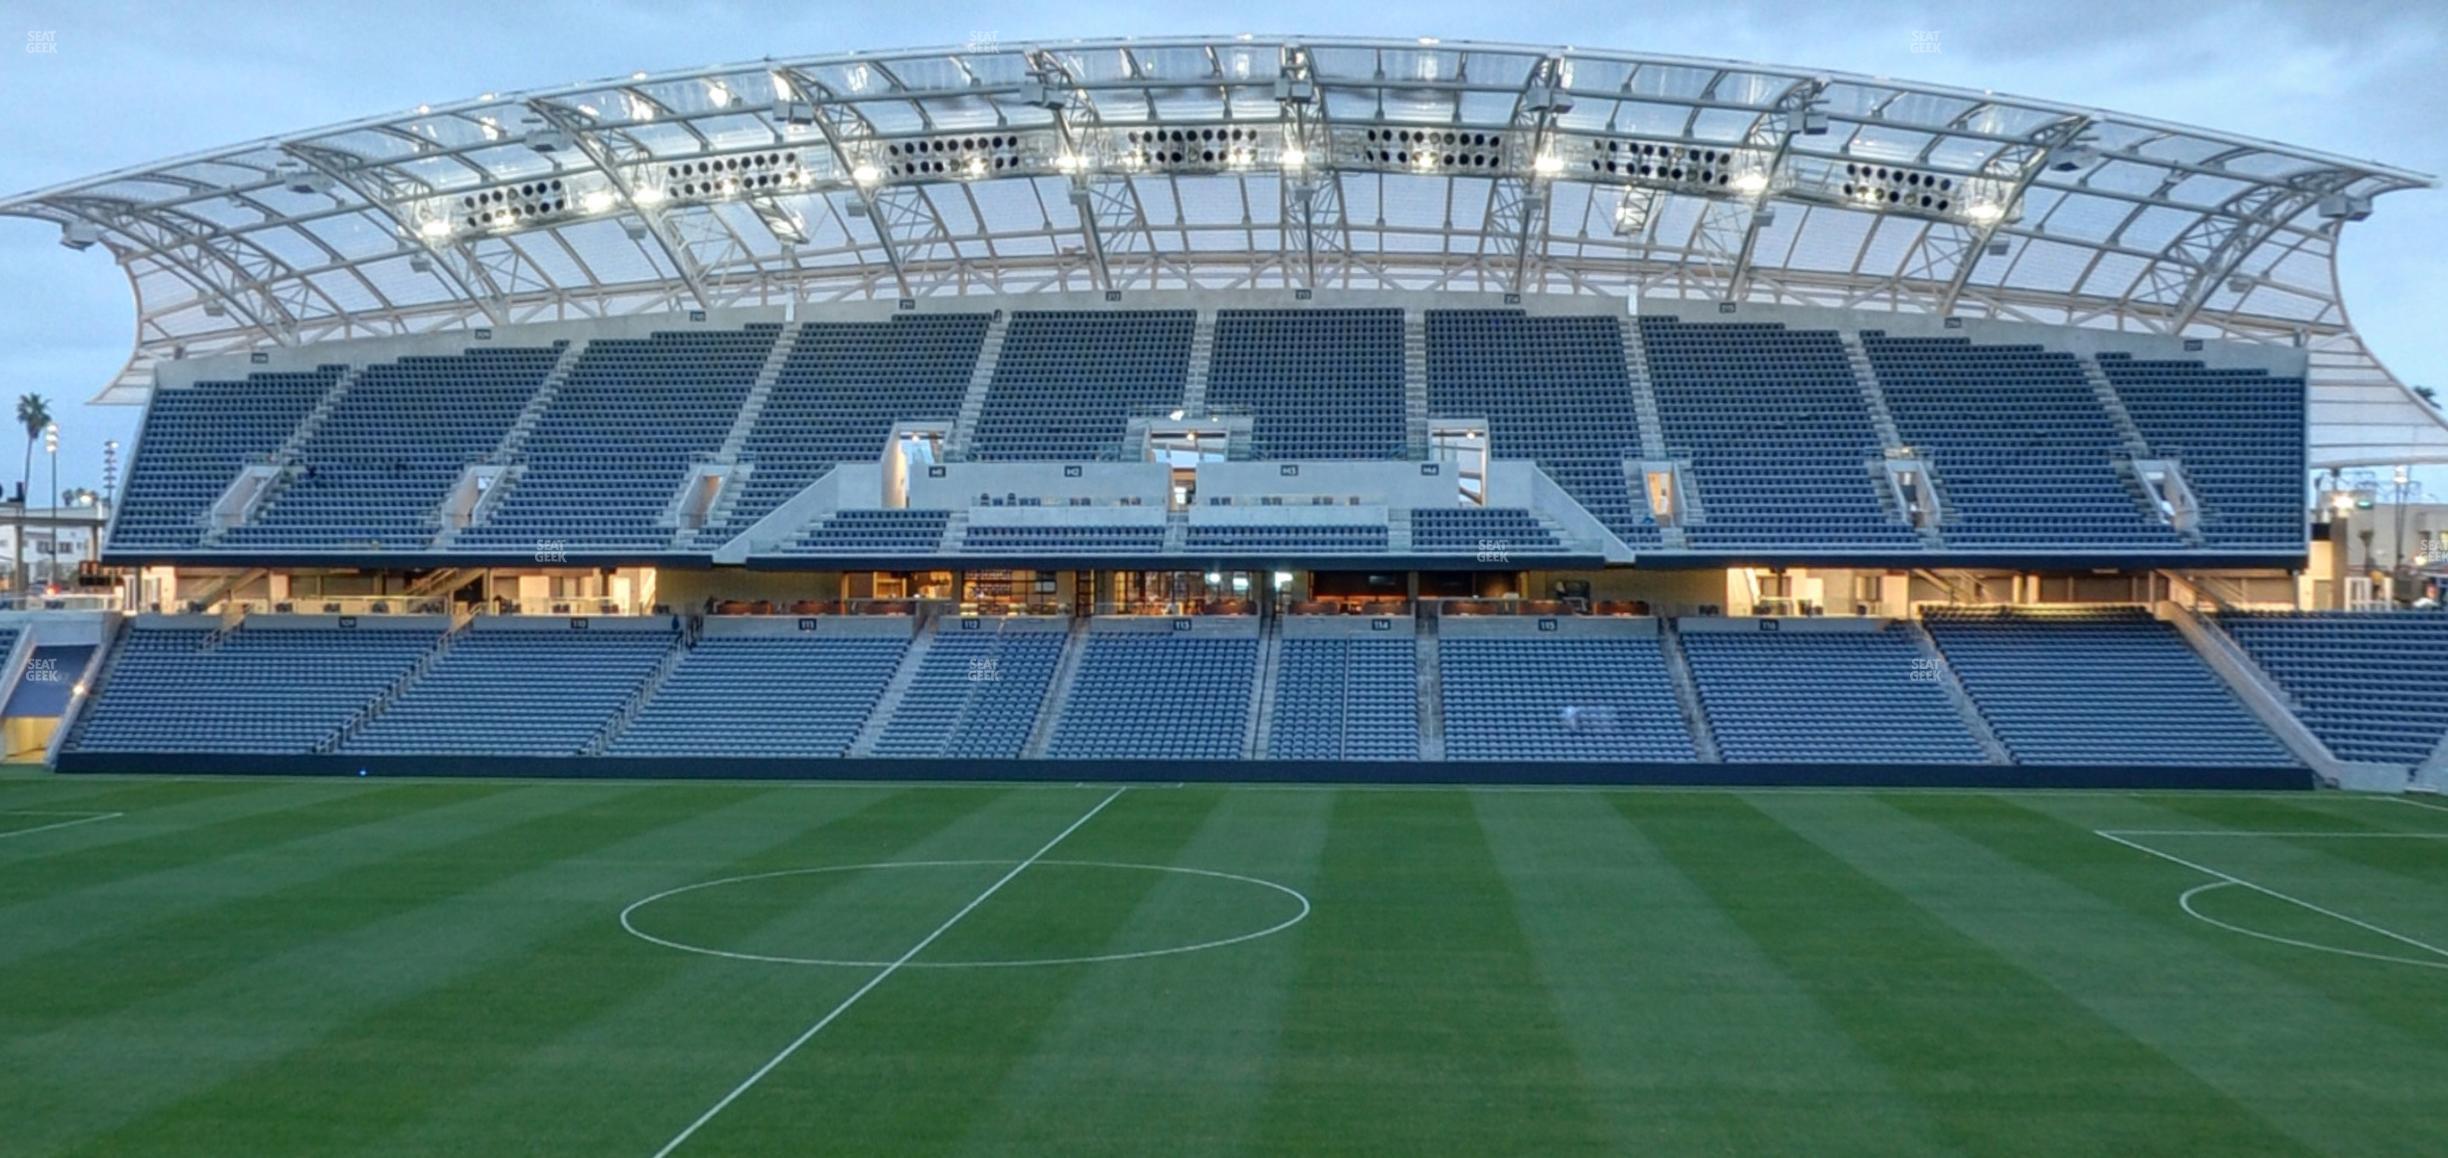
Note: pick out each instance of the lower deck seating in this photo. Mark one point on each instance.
(1523, 699)
(1346, 699)
(976, 694)
(766, 695)
(1158, 695)
(2372, 685)
(1846, 697)
(2098, 687)
(256, 690)
(516, 692)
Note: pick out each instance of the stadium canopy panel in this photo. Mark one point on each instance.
(1222, 163)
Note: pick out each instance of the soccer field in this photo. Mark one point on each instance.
(451, 967)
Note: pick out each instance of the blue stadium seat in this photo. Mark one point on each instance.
(516, 692)
(621, 435)
(1834, 697)
(375, 473)
(2239, 435)
(842, 389)
(255, 690)
(764, 695)
(1567, 698)
(194, 442)
(1158, 695)
(1554, 391)
(1782, 449)
(976, 694)
(2099, 687)
(2372, 685)
(2019, 444)
(1320, 384)
(1067, 382)
(1346, 699)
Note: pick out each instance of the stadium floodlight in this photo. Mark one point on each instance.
(866, 173)
(1547, 165)
(435, 229)
(1751, 184)
(1069, 162)
(2077, 154)
(599, 201)
(1293, 158)
(976, 168)
(2345, 207)
(1985, 212)
(646, 195)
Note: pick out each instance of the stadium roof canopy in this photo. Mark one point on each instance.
(1249, 161)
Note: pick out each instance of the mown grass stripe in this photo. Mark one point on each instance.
(2002, 1061)
(2159, 982)
(1170, 1055)
(1418, 1022)
(2390, 998)
(1693, 1040)
(227, 915)
(851, 1079)
(564, 979)
(58, 904)
(370, 934)
(651, 1058)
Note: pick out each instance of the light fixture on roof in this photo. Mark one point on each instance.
(1985, 212)
(866, 173)
(646, 195)
(638, 75)
(1425, 161)
(435, 229)
(718, 92)
(1751, 184)
(1069, 162)
(298, 177)
(1293, 158)
(1814, 121)
(1547, 165)
(599, 201)
(2075, 155)
(2344, 207)
(976, 168)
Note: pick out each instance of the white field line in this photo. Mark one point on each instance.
(2231, 878)
(2273, 835)
(2185, 902)
(81, 818)
(2420, 803)
(863, 990)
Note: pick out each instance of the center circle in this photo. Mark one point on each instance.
(1289, 907)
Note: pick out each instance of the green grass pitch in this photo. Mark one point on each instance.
(278, 967)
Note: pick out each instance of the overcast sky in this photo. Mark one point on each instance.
(129, 83)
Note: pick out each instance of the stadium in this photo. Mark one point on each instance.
(1233, 595)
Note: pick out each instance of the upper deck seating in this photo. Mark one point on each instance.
(1553, 390)
(606, 460)
(1779, 436)
(2023, 452)
(1067, 382)
(2239, 435)
(1320, 384)
(195, 441)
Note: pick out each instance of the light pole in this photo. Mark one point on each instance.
(51, 447)
(110, 471)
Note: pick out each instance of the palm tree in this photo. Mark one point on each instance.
(33, 413)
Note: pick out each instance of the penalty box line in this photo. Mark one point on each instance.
(887, 971)
(2265, 890)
